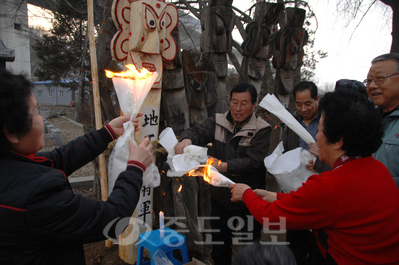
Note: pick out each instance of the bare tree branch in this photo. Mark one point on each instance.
(193, 10)
(240, 28)
(184, 27)
(238, 47)
(74, 9)
(244, 17)
(365, 13)
(234, 60)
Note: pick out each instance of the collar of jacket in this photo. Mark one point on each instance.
(227, 122)
(29, 159)
(392, 113)
(300, 119)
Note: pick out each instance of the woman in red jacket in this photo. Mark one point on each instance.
(352, 209)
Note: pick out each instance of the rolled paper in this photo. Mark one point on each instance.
(273, 105)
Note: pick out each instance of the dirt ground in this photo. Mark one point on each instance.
(98, 253)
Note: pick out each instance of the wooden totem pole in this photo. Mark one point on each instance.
(201, 85)
(174, 101)
(257, 46)
(217, 22)
(144, 38)
(289, 52)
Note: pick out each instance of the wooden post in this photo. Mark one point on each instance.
(96, 99)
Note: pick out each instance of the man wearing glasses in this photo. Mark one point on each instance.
(382, 85)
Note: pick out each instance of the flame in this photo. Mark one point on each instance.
(204, 171)
(207, 170)
(190, 173)
(181, 186)
(130, 73)
(276, 127)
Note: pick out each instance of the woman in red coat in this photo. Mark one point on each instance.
(352, 209)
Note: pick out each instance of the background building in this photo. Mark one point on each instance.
(14, 33)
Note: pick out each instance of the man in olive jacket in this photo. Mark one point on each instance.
(241, 141)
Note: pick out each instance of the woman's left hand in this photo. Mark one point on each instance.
(237, 190)
(117, 123)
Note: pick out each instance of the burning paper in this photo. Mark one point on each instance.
(272, 104)
(131, 89)
(189, 162)
(210, 174)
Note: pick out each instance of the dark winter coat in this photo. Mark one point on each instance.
(41, 220)
(243, 151)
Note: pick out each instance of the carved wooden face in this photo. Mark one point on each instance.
(151, 24)
(147, 26)
(256, 67)
(217, 24)
(287, 81)
(144, 26)
(257, 43)
(289, 48)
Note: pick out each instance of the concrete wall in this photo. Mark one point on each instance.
(14, 33)
(51, 95)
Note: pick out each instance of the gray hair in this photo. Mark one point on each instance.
(388, 56)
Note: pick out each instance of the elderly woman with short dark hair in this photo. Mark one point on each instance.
(41, 220)
(352, 209)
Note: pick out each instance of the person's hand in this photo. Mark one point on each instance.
(268, 196)
(179, 148)
(117, 123)
(314, 149)
(142, 152)
(310, 166)
(237, 190)
(219, 165)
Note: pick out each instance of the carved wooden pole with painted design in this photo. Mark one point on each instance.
(143, 39)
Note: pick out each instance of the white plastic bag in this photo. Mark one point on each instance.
(289, 168)
(131, 95)
(160, 258)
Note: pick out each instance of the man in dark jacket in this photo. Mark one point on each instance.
(41, 220)
(303, 242)
(240, 140)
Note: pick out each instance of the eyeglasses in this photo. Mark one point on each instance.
(379, 80)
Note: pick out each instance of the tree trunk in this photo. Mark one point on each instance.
(394, 4)
(79, 101)
(105, 35)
